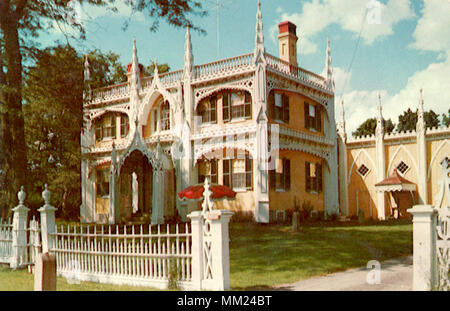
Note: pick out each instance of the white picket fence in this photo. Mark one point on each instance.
(6, 237)
(134, 255)
(19, 238)
(194, 256)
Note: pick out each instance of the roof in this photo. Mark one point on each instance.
(395, 182)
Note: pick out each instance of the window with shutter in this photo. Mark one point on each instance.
(271, 104)
(248, 173)
(318, 119)
(307, 176)
(319, 178)
(306, 106)
(225, 107)
(287, 174)
(124, 125)
(285, 100)
(227, 172)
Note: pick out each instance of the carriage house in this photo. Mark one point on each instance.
(257, 123)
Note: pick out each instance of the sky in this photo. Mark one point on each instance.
(388, 47)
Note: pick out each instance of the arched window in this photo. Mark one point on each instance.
(124, 125)
(207, 109)
(105, 127)
(164, 116)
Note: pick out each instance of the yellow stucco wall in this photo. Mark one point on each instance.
(436, 152)
(361, 190)
(285, 200)
(297, 113)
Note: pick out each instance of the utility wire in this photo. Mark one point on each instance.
(354, 53)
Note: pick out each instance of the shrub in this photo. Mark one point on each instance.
(307, 207)
(242, 216)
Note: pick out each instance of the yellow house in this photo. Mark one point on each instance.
(257, 123)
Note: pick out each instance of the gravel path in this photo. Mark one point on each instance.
(396, 275)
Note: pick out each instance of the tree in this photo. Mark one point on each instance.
(21, 20)
(446, 119)
(407, 121)
(53, 119)
(150, 69)
(368, 127)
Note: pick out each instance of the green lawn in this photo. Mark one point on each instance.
(265, 255)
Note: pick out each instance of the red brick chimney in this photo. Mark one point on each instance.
(287, 39)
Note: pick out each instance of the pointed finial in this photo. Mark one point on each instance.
(421, 99)
(135, 70)
(188, 55)
(329, 67)
(87, 73)
(259, 37)
(156, 67)
(46, 195)
(21, 195)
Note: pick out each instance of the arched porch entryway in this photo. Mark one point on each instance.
(136, 188)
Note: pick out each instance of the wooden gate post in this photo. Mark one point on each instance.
(424, 247)
(19, 241)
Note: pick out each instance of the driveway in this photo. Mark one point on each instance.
(395, 275)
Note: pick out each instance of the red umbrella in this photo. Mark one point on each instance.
(195, 192)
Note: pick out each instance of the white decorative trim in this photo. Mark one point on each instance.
(433, 157)
(217, 144)
(94, 114)
(274, 83)
(389, 188)
(239, 85)
(156, 89)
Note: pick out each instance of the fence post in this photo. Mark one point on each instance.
(424, 247)
(19, 239)
(220, 248)
(48, 225)
(197, 248)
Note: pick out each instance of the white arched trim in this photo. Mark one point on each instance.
(229, 87)
(210, 149)
(95, 115)
(316, 100)
(156, 89)
(361, 151)
(306, 149)
(391, 162)
(433, 157)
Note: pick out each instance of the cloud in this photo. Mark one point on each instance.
(432, 33)
(350, 15)
(433, 29)
(435, 79)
